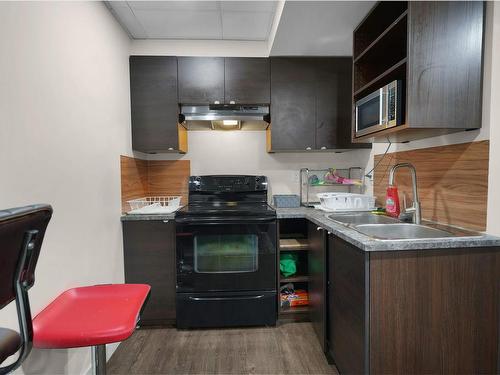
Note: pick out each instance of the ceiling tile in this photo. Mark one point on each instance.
(180, 24)
(127, 19)
(246, 25)
(249, 6)
(176, 5)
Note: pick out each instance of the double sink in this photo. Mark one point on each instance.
(382, 227)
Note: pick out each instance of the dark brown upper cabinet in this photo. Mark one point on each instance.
(247, 80)
(310, 104)
(201, 80)
(293, 98)
(154, 107)
(218, 80)
(436, 49)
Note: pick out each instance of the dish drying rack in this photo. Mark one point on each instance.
(154, 205)
(309, 186)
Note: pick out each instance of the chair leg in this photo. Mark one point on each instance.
(98, 360)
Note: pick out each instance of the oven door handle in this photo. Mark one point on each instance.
(224, 221)
(236, 298)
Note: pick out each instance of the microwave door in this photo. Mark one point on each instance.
(369, 113)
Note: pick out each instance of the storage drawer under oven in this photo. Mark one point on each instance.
(227, 309)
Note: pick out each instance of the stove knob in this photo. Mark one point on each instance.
(257, 179)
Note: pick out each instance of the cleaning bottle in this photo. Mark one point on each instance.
(392, 201)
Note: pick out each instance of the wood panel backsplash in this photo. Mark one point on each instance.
(145, 178)
(452, 182)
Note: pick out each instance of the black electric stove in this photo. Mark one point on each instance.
(226, 253)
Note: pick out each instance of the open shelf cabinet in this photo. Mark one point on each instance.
(421, 44)
(293, 238)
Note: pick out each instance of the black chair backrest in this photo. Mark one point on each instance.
(16, 224)
(21, 235)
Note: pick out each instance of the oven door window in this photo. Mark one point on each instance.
(369, 113)
(226, 253)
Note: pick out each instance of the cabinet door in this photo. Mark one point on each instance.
(317, 281)
(346, 306)
(149, 258)
(153, 94)
(445, 64)
(333, 103)
(293, 112)
(247, 80)
(201, 80)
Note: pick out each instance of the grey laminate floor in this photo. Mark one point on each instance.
(288, 349)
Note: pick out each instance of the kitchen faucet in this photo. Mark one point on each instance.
(415, 209)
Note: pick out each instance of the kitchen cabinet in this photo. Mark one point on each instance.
(247, 80)
(201, 80)
(346, 306)
(293, 99)
(154, 108)
(310, 104)
(333, 99)
(413, 311)
(445, 75)
(436, 49)
(317, 280)
(293, 239)
(219, 80)
(149, 258)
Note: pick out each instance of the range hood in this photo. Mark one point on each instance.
(220, 112)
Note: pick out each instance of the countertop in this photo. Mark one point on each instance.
(368, 244)
(170, 216)
(355, 238)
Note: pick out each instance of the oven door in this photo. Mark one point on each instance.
(237, 254)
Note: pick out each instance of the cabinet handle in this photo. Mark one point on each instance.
(329, 233)
(323, 148)
(166, 221)
(232, 102)
(217, 102)
(308, 148)
(319, 228)
(170, 149)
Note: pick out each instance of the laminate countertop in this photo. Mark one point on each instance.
(369, 244)
(357, 239)
(146, 217)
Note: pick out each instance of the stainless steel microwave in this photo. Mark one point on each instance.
(380, 110)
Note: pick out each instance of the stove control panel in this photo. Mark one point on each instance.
(227, 183)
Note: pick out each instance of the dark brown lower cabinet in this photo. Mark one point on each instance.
(413, 312)
(149, 257)
(347, 306)
(317, 280)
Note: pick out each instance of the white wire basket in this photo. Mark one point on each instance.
(152, 205)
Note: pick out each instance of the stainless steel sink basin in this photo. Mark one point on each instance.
(401, 231)
(356, 218)
(387, 228)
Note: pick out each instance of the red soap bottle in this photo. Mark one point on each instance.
(392, 201)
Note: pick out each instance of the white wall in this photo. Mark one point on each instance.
(490, 119)
(65, 120)
(494, 120)
(244, 152)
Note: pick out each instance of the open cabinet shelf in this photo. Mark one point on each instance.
(293, 239)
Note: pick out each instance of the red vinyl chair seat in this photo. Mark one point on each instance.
(90, 316)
